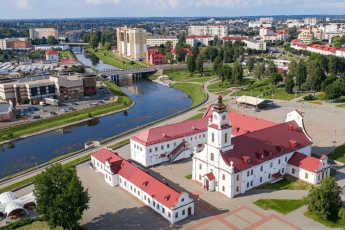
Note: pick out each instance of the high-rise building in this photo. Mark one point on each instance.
(220, 31)
(43, 32)
(132, 42)
(306, 36)
(311, 21)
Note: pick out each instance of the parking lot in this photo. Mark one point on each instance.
(103, 96)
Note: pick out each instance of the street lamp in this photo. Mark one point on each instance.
(334, 141)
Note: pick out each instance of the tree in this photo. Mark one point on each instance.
(224, 73)
(200, 64)
(258, 71)
(211, 53)
(169, 58)
(107, 46)
(324, 201)
(237, 72)
(251, 64)
(271, 68)
(93, 42)
(316, 75)
(217, 64)
(329, 80)
(289, 84)
(274, 78)
(336, 89)
(301, 73)
(51, 40)
(341, 214)
(191, 65)
(168, 43)
(61, 197)
(333, 65)
(43, 40)
(195, 51)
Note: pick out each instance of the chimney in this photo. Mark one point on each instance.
(290, 128)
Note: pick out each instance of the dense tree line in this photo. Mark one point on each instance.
(9, 32)
(103, 37)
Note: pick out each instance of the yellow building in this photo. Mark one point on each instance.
(306, 36)
(156, 41)
(132, 42)
(43, 32)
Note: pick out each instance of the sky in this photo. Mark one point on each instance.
(38, 9)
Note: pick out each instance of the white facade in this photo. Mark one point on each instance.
(184, 205)
(161, 41)
(199, 40)
(52, 57)
(340, 53)
(43, 32)
(154, 154)
(220, 31)
(258, 45)
(311, 21)
(211, 170)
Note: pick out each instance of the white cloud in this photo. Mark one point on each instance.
(323, 4)
(23, 4)
(95, 2)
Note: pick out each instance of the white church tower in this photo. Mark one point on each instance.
(219, 130)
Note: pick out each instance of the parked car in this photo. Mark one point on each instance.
(36, 117)
(42, 103)
(64, 110)
(73, 103)
(100, 101)
(22, 113)
(36, 109)
(53, 113)
(31, 108)
(91, 104)
(71, 108)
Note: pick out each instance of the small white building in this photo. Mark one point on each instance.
(166, 201)
(52, 55)
(233, 165)
(340, 52)
(199, 40)
(258, 45)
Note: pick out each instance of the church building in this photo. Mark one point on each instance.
(232, 165)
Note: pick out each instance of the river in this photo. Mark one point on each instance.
(152, 102)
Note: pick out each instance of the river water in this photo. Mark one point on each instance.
(152, 102)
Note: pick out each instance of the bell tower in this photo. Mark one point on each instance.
(219, 130)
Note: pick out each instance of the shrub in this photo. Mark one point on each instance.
(341, 214)
(309, 97)
(322, 96)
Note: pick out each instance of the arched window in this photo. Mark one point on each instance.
(260, 179)
(238, 177)
(226, 138)
(237, 189)
(212, 137)
(261, 168)
(271, 165)
(223, 176)
(306, 175)
(212, 157)
(279, 161)
(252, 172)
(269, 176)
(248, 173)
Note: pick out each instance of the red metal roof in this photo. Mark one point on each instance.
(303, 161)
(178, 148)
(65, 61)
(51, 52)
(198, 36)
(210, 176)
(160, 191)
(234, 38)
(273, 139)
(277, 175)
(171, 132)
(322, 47)
(242, 123)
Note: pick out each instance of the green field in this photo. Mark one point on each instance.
(332, 224)
(193, 90)
(340, 106)
(288, 183)
(279, 205)
(339, 154)
(42, 225)
(183, 75)
(51, 122)
(66, 54)
(282, 95)
(195, 117)
(119, 143)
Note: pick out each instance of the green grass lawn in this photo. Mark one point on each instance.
(51, 122)
(183, 75)
(315, 102)
(288, 183)
(281, 206)
(153, 77)
(253, 93)
(282, 95)
(121, 59)
(340, 106)
(332, 224)
(193, 90)
(67, 54)
(339, 154)
(108, 60)
(188, 176)
(195, 117)
(119, 143)
(202, 109)
(41, 225)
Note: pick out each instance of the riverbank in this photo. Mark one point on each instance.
(194, 90)
(122, 103)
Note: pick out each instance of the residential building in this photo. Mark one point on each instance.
(311, 21)
(7, 111)
(15, 43)
(164, 200)
(52, 55)
(156, 41)
(265, 31)
(306, 36)
(132, 42)
(43, 32)
(258, 45)
(298, 44)
(234, 165)
(198, 40)
(154, 57)
(318, 34)
(220, 31)
(233, 39)
(268, 20)
(340, 52)
(321, 49)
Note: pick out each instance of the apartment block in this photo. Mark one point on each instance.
(15, 43)
(220, 31)
(156, 41)
(43, 32)
(132, 42)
